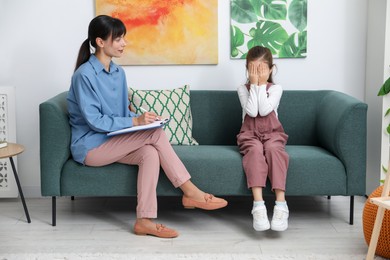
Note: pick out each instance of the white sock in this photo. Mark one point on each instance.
(281, 204)
(259, 203)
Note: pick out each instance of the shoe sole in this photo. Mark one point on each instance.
(279, 229)
(154, 235)
(261, 229)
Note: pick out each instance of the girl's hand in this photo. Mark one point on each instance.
(145, 118)
(253, 73)
(263, 72)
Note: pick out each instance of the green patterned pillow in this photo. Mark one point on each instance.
(167, 103)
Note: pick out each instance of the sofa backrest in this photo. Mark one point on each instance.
(298, 113)
(217, 116)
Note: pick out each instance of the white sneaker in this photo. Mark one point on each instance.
(279, 220)
(260, 218)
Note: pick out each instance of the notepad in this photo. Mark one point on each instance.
(155, 124)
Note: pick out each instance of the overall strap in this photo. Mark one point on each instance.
(269, 85)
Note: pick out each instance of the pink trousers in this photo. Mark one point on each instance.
(149, 150)
(262, 142)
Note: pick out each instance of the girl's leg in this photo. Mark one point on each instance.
(277, 159)
(280, 195)
(259, 210)
(256, 169)
(253, 161)
(257, 193)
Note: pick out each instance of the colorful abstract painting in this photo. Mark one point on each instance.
(280, 25)
(166, 32)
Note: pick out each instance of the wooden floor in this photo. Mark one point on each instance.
(317, 226)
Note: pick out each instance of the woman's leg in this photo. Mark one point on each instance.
(133, 149)
(120, 146)
(148, 162)
(179, 176)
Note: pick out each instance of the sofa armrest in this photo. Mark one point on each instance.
(341, 124)
(54, 142)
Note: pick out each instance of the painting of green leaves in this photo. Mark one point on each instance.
(280, 25)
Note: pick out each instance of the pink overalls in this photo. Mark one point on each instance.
(262, 142)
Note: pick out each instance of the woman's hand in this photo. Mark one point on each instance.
(145, 118)
(263, 73)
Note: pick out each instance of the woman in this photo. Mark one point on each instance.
(98, 103)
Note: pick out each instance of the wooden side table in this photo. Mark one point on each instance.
(9, 151)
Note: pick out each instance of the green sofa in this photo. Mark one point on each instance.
(326, 145)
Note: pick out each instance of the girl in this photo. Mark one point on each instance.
(262, 139)
(98, 103)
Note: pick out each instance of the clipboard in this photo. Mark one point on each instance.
(155, 124)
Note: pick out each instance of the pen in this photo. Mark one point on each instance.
(143, 109)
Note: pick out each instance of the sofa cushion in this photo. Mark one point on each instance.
(213, 168)
(313, 170)
(174, 104)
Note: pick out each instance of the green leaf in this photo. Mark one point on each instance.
(256, 4)
(295, 46)
(384, 169)
(237, 36)
(382, 181)
(387, 112)
(272, 9)
(385, 88)
(297, 13)
(268, 34)
(242, 11)
(237, 39)
(388, 129)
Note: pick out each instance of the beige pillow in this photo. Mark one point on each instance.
(174, 104)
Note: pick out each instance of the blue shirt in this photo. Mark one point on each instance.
(97, 104)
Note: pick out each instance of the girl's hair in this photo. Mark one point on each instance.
(260, 52)
(102, 26)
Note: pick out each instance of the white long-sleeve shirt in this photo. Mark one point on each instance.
(257, 101)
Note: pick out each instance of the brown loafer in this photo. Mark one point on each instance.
(210, 203)
(160, 231)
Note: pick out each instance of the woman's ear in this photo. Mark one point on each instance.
(99, 42)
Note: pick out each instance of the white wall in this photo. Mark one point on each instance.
(377, 71)
(40, 40)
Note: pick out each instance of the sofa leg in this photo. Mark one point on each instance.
(72, 198)
(328, 197)
(53, 212)
(351, 206)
